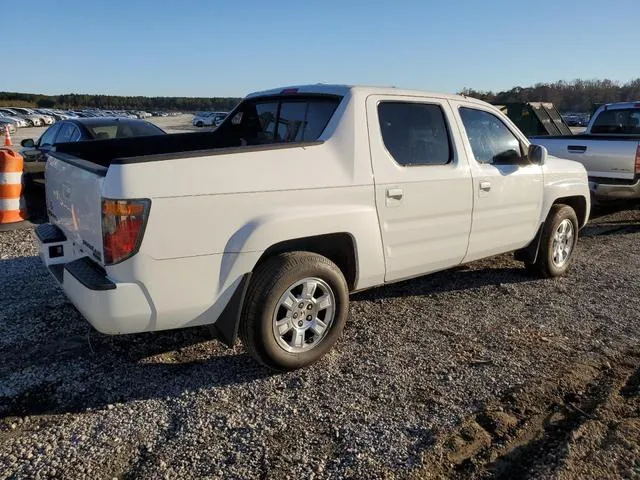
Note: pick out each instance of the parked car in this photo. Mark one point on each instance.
(16, 121)
(56, 115)
(572, 120)
(609, 149)
(78, 130)
(32, 120)
(202, 119)
(45, 119)
(301, 196)
(4, 123)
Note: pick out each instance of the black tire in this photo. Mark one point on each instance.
(544, 265)
(199, 124)
(270, 281)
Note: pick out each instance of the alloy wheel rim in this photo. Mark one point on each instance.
(304, 315)
(562, 243)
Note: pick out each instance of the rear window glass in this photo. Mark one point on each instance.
(123, 130)
(280, 120)
(619, 121)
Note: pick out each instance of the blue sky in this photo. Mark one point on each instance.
(229, 48)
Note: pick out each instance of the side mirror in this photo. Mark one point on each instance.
(28, 143)
(537, 154)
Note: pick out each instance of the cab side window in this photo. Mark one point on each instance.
(490, 139)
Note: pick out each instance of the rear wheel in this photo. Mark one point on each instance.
(295, 309)
(557, 244)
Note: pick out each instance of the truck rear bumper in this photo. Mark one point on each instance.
(119, 307)
(110, 307)
(607, 191)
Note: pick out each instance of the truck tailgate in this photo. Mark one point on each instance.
(602, 157)
(74, 203)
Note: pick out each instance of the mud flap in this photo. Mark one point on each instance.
(529, 254)
(226, 327)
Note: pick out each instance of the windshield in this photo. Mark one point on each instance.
(619, 121)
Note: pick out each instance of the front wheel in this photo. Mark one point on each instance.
(557, 244)
(295, 309)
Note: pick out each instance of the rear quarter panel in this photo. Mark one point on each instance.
(244, 202)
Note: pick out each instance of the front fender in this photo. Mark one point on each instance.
(562, 179)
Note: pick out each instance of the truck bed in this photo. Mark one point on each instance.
(127, 150)
(97, 155)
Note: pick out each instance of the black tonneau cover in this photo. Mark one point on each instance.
(253, 131)
(104, 152)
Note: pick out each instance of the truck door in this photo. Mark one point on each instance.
(507, 188)
(422, 182)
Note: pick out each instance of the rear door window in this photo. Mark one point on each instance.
(415, 133)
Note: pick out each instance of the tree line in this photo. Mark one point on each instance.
(116, 102)
(576, 96)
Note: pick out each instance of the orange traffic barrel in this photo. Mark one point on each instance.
(12, 205)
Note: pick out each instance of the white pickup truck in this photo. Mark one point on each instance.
(301, 196)
(609, 149)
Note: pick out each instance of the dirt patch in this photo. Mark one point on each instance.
(583, 423)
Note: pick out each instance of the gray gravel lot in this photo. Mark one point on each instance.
(416, 360)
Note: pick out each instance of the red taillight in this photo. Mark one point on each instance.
(638, 160)
(123, 223)
(289, 91)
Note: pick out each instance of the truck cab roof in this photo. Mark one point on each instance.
(342, 90)
(621, 105)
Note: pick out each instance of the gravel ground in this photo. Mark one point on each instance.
(474, 372)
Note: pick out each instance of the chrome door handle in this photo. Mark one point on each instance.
(485, 186)
(396, 193)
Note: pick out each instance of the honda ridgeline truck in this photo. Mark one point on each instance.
(264, 226)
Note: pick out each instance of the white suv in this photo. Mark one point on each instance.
(214, 119)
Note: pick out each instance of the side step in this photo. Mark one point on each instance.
(48, 233)
(89, 274)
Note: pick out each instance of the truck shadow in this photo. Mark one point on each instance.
(456, 279)
(111, 379)
(612, 222)
(53, 362)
